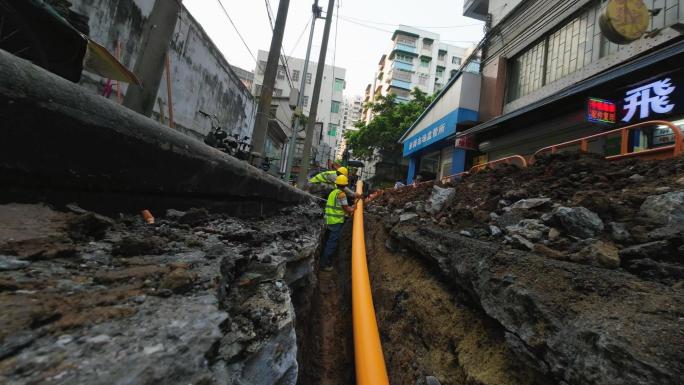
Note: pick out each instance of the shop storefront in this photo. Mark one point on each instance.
(429, 143)
(647, 88)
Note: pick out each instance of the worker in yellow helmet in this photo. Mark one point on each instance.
(336, 209)
(323, 182)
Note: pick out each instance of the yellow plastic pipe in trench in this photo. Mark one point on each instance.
(368, 357)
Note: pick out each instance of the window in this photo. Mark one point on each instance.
(339, 85)
(453, 73)
(257, 90)
(440, 72)
(308, 78)
(576, 43)
(456, 60)
(281, 73)
(262, 66)
(277, 92)
(406, 40)
(273, 111)
(422, 79)
(403, 58)
(335, 107)
(306, 101)
(441, 55)
(295, 75)
(425, 62)
(332, 129)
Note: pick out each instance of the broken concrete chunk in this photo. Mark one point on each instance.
(664, 209)
(578, 221)
(619, 232)
(407, 217)
(440, 196)
(531, 229)
(636, 178)
(520, 242)
(526, 204)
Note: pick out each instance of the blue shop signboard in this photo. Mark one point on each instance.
(437, 131)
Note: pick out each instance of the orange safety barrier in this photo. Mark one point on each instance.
(506, 160)
(676, 148)
(368, 357)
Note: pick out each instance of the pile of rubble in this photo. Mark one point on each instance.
(580, 260)
(195, 298)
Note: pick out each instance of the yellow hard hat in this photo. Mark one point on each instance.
(342, 180)
(343, 170)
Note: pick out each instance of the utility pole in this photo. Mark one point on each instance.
(291, 145)
(263, 112)
(311, 124)
(149, 66)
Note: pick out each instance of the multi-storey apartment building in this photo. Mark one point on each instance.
(557, 70)
(416, 59)
(329, 118)
(352, 114)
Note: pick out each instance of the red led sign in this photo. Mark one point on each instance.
(601, 111)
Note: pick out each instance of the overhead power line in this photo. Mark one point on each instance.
(300, 37)
(414, 26)
(239, 35)
(390, 31)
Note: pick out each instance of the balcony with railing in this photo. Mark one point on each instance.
(401, 75)
(402, 65)
(401, 84)
(405, 48)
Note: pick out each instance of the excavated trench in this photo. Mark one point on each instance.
(427, 329)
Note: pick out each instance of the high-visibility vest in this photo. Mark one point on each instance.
(322, 177)
(334, 213)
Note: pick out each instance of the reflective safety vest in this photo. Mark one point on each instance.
(323, 177)
(334, 213)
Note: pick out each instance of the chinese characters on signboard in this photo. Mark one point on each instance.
(426, 136)
(601, 111)
(466, 142)
(650, 98)
(654, 100)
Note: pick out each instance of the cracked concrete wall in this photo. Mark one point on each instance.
(201, 76)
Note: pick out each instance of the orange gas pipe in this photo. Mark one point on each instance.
(369, 360)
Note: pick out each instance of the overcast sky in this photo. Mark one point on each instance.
(364, 29)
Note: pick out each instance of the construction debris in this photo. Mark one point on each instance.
(586, 283)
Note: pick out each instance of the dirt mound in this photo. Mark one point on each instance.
(573, 257)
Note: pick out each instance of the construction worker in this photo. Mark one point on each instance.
(323, 182)
(336, 209)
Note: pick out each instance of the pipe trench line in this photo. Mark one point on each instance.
(368, 356)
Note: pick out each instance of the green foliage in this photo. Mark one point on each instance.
(391, 120)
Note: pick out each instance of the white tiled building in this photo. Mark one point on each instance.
(330, 109)
(416, 58)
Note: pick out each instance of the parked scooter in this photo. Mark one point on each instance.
(231, 144)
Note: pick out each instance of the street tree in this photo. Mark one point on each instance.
(391, 119)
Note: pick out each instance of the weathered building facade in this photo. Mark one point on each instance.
(201, 78)
(543, 60)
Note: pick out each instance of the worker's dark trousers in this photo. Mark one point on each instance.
(334, 232)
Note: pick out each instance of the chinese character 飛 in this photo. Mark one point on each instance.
(642, 100)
